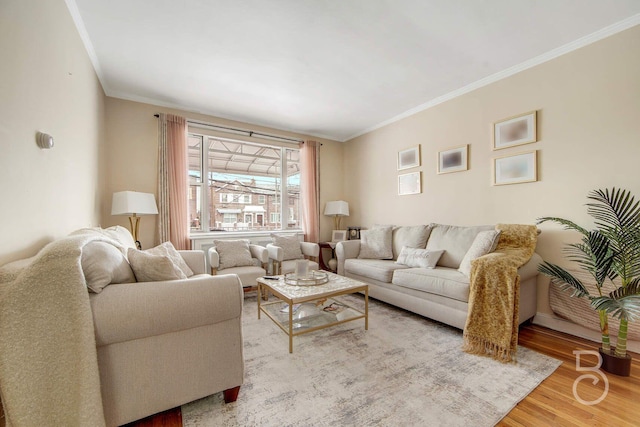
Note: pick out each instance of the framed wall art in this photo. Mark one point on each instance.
(514, 131)
(338, 235)
(515, 169)
(409, 158)
(453, 160)
(409, 183)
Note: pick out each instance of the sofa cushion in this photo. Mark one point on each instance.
(414, 236)
(446, 282)
(103, 264)
(415, 257)
(377, 269)
(454, 240)
(233, 253)
(484, 243)
(290, 246)
(376, 243)
(157, 264)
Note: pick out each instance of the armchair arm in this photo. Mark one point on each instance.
(310, 249)
(345, 250)
(138, 310)
(259, 252)
(276, 253)
(214, 260)
(194, 259)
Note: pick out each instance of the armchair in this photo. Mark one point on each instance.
(281, 265)
(239, 257)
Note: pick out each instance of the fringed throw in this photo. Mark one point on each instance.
(492, 322)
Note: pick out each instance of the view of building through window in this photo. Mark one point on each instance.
(244, 187)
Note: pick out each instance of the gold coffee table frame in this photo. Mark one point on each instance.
(291, 295)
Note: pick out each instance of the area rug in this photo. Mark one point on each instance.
(405, 370)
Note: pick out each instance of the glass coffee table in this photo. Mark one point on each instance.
(300, 309)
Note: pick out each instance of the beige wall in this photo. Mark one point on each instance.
(132, 138)
(47, 83)
(588, 104)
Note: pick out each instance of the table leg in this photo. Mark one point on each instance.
(290, 327)
(366, 309)
(259, 294)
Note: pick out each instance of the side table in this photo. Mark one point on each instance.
(326, 245)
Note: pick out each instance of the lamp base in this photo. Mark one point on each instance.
(134, 223)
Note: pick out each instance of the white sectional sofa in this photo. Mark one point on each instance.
(440, 293)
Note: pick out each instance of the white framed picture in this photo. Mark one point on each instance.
(454, 159)
(409, 158)
(409, 183)
(515, 169)
(517, 130)
(338, 235)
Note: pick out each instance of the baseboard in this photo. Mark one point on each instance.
(558, 324)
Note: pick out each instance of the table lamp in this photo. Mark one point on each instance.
(337, 209)
(133, 203)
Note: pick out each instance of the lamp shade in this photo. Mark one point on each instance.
(133, 203)
(339, 207)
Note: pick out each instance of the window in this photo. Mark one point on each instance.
(238, 186)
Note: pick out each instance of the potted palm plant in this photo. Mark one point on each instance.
(610, 254)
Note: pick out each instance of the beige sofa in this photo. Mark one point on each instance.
(440, 293)
(153, 332)
(163, 344)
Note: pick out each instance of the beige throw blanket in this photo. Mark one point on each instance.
(492, 323)
(48, 359)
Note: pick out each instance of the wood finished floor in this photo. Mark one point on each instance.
(552, 403)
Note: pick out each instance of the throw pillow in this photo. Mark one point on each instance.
(290, 246)
(103, 264)
(153, 265)
(233, 253)
(414, 236)
(167, 249)
(421, 258)
(484, 243)
(376, 243)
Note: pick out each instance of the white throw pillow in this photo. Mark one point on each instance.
(103, 264)
(417, 257)
(484, 243)
(290, 246)
(170, 251)
(122, 235)
(376, 243)
(151, 266)
(233, 253)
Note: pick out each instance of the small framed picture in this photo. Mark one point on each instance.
(409, 183)
(454, 159)
(338, 235)
(515, 169)
(409, 158)
(514, 131)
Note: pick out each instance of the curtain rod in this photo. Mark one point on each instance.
(250, 132)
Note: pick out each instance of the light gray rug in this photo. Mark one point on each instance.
(405, 370)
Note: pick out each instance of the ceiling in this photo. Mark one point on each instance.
(334, 69)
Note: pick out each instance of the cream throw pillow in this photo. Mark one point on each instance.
(484, 243)
(421, 258)
(290, 246)
(233, 253)
(103, 264)
(160, 263)
(376, 243)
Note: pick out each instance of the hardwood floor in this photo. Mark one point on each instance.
(553, 402)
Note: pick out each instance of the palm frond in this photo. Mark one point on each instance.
(627, 308)
(633, 288)
(615, 209)
(568, 225)
(564, 279)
